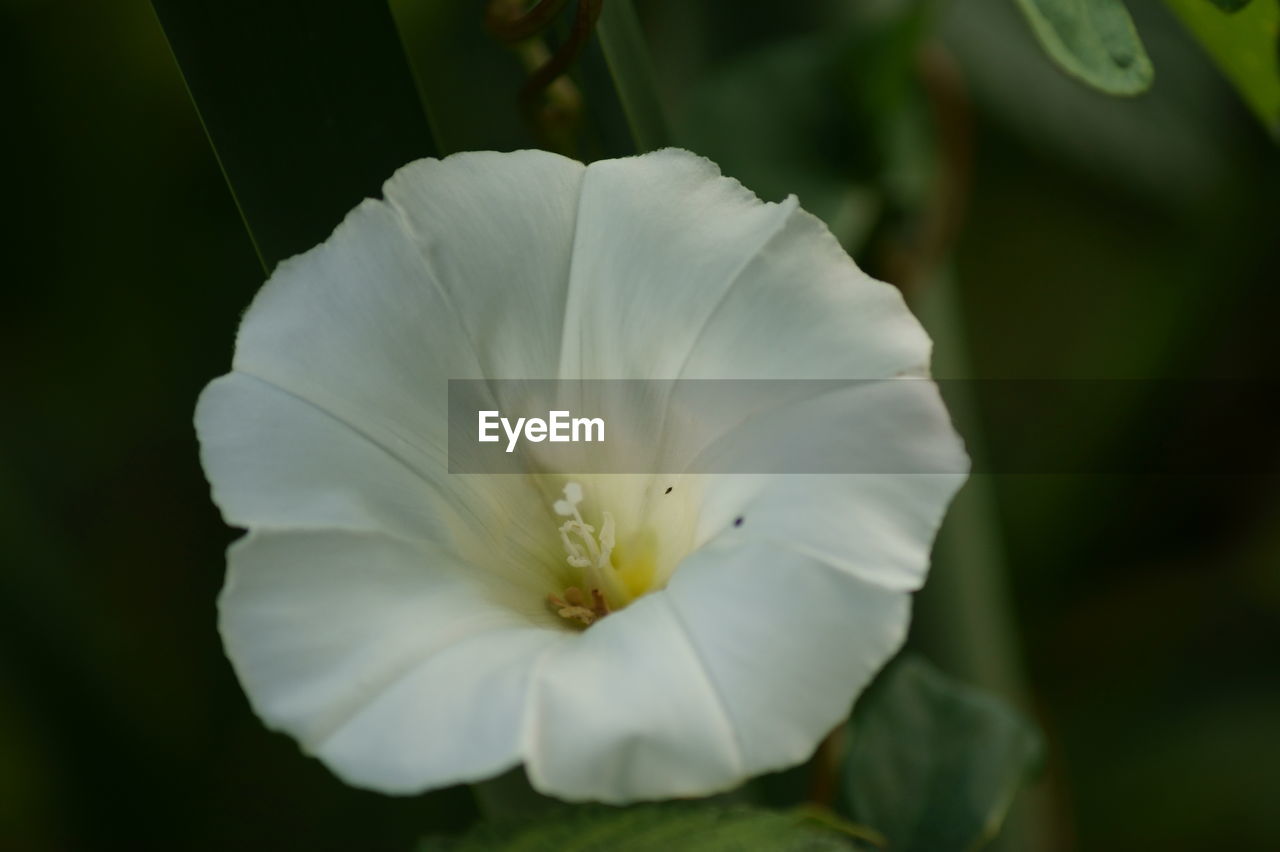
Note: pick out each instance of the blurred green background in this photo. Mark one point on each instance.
(1079, 236)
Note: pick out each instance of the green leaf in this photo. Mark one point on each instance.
(933, 764)
(1246, 48)
(510, 796)
(468, 79)
(627, 56)
(1092, 40)
(309, 105)
(690, 828)
(1230, 5)
(780, 122)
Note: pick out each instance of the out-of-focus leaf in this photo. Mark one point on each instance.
(310, 106)
(653, 828)
(778, 121)
(1230, 5)
(933, 764)
(622, 43)
(837, 118)
(1245, 46)
(1092, 40)
(1177, 146)
(447, 44)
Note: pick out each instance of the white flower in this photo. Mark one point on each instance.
(414, 628)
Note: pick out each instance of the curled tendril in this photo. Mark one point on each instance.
(551, 104)
(509, 24)
(584, 22)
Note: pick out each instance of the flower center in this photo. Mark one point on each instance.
(591, 553)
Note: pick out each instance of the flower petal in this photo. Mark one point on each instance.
(626, 712)
(497, 231)
(802, 309)
(460, 274)
(277, 462)
(704, 287)
(787, 641)
(382, 658)
(679, 272)
(878, 524)
(660, 240)
(455, 718)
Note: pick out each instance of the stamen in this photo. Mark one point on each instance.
(607, 537)
(589, 553)
(574, 606)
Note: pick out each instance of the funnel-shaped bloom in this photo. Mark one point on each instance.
(625, 637)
